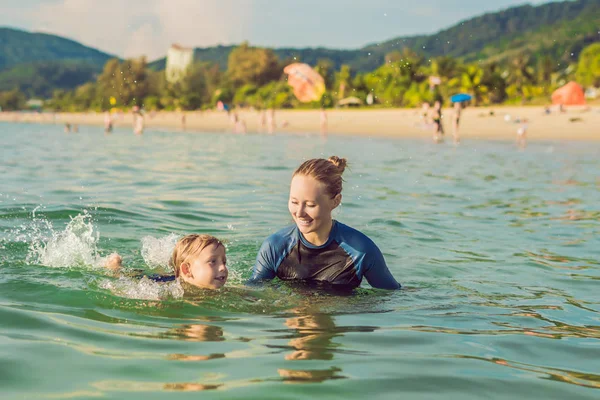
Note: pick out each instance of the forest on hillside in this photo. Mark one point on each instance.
(254, 78)
(519, 55)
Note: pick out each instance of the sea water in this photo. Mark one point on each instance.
(497, 250)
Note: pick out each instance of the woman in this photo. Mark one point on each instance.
(318, 248)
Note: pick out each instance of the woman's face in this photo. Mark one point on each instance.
(311, 206)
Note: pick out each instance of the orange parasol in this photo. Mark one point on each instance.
(308, 85)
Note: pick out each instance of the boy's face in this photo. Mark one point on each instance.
(208, 269)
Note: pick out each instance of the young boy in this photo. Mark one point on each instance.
(198, 260)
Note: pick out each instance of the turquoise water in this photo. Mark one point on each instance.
(497, 249)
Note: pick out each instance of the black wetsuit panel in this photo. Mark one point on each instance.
(344, 259)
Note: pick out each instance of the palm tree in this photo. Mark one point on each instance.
(520, 73)
(545, 68)
(343, 80)
(471, 82)
(445, 67)
(496, 84)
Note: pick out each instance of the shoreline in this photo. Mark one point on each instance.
(576, 123)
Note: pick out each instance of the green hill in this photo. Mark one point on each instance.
(37, 63)
(20, 47)
(556, 29)
(220, 54)
(41, 78)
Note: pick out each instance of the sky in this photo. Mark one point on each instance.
(130, 28)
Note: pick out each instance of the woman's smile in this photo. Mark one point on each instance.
(310, 207)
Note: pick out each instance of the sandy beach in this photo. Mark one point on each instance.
(476, 123)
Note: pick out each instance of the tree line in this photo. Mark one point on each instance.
(254, 78)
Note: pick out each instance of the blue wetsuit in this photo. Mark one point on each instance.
(344, 259)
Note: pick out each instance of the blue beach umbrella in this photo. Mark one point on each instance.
(460, 97)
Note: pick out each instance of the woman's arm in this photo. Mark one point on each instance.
(264, 268)
(377, 273)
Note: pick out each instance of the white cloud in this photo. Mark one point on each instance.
(204, 23)
(137, 27)
(131, 28)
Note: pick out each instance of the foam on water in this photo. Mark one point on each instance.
(157, 251)
(143, 289)
(76, 245)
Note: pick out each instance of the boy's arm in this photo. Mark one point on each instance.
(114, 262)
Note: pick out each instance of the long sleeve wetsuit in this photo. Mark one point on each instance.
(346, 257)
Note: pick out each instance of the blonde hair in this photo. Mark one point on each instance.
(327, 171)
(188, 246)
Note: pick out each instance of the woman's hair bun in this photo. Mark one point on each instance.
(340, 163)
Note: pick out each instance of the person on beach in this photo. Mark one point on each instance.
(455, 121)
(522, 134)
(436, 117)
(197, 261)
(138, 121)
(262, 121)
(425, 116)
(317, 248)
(323, 122)
(108, 124)
(270, 121)
(238, 124)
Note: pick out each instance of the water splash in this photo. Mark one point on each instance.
(76, 245)
(157, 251)
(143, 289)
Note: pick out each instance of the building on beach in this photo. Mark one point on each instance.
(178, 60)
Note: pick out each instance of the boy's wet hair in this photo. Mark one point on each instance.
(189, 246)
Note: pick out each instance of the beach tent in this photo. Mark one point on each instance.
(570, 94)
